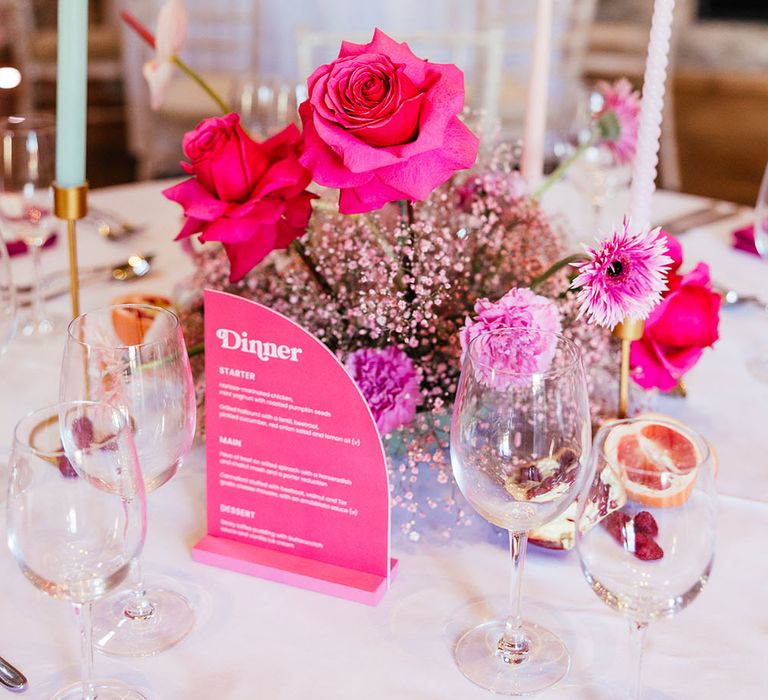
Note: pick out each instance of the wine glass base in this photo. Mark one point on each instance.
(546, 663)
(117, 634)
(105, 690)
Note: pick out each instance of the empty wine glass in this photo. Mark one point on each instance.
(645, 532)
(133, 356)
(761, 218)
(519, 439)
(77, 515)
(7, 300)
(267, 106)
(757, 362)
(26, 201)
(595, 171)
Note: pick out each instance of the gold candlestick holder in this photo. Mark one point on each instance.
(71, 204)
(627, 331)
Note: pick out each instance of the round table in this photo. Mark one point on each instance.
(258, 639)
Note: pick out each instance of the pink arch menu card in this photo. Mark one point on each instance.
(297, 488)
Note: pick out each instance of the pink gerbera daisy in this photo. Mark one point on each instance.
(617, 119)
(623, 277)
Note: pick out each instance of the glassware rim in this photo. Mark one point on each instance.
(104, 346)
(705, 453)
(549, 373)
(40, 122)
(52, 413)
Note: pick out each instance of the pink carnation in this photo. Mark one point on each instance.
(389, 382)
(531, 352)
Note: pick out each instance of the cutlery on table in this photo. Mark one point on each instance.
(712, 212)
(730, 297)
(11, 677)
(110, 225)
(135, 267)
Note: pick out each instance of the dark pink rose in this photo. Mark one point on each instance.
(677, 331)
(249, 196)
(380, 124)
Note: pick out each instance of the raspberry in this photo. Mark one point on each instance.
(646, 523)
(82, 432)
(646, 548)
(616, 524)
(66, 469)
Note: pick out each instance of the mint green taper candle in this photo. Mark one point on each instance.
(71, 92)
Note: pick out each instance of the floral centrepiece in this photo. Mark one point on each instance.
(398, 294)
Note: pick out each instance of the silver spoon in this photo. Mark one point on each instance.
(111, 226)
(137, 265)
(11, 677)
(730, 297)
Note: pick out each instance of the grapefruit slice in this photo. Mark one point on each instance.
(132, 325)
(658, 462)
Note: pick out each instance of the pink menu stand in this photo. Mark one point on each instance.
(296, 473)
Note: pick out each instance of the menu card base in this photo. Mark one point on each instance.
(312, 575)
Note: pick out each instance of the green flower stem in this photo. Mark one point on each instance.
(407, 214)
(194, 75)
(196, 349)
(309, 263)
(560, 170)
(556, 267)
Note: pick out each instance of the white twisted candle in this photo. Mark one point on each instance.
(649, 126)
(532, 163)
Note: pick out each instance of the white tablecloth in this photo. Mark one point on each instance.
(257, 639)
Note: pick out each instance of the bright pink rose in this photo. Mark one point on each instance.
(380, 124)
(250, 196)
(677, 330)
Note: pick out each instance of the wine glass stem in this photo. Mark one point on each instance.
(637, 632)
(83, 612)
(513, 646)
(38, 307)
(139, 606)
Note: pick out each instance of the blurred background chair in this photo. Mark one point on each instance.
(246, 49)
(33, 41)
(221, 45)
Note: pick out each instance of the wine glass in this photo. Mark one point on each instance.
(77, 515)
(520, 435)
(267, 106)
(133, 356)
(757, 362)
(7, 300)
(645, 531)
(761, 218)
(595, 171)
(26, 201)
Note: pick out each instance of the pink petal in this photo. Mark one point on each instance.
(196, 200)
(171, 29)
(158, 75)
(372, 195)
(245, 255)
(419, 175)
(191, 227)
(229, 230)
